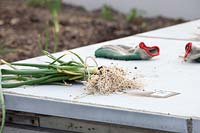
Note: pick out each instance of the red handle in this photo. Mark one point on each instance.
(151, 51)
(188, 49)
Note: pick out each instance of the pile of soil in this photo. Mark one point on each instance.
(22, 28)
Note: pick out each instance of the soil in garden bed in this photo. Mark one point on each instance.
(24, 30)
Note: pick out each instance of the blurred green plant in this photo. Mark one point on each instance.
(54, 8)
(133, 14)
(46, 39)
(106, 12)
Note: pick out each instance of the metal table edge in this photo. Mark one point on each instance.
(97, 113)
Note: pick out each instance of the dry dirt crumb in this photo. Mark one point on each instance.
(109, 80)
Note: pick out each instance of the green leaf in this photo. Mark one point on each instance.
(106, 12)
(53, 5)
(132, 15)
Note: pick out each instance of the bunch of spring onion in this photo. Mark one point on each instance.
(57, 71)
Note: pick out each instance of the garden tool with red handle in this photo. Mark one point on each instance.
(121, 52)
(192, 53)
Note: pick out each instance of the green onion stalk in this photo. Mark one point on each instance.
(57, 71)
(3, 110)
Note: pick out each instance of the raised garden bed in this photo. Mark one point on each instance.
(23, 30)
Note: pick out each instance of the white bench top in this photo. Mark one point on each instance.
(187, 31)
(165, 72)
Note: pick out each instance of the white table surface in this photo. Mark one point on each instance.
(187, 31)
(165, 72)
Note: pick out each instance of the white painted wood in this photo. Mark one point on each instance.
(187, 9)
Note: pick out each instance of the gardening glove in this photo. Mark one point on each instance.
(121, 52)
(192, 53)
